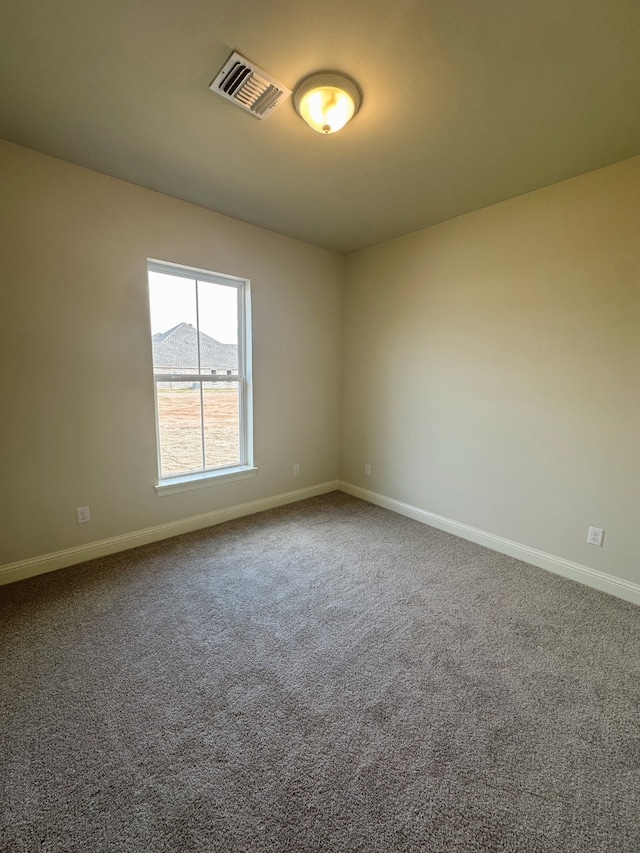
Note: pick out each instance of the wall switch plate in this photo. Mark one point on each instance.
(84, 514)
(367, 469)
(595, 536)
(296, 470)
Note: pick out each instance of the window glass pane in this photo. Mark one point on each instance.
(195, 334)
(173, 323)
(218, 312)
(180, 427)
(221, 423)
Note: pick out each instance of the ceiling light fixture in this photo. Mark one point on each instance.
(327, 101)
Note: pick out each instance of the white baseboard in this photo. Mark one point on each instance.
(619, 587)
(80, 553)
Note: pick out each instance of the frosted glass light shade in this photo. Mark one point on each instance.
(327, 101)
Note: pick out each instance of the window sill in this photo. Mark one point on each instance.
(201, 481)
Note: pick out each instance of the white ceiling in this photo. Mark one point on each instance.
(465, 102)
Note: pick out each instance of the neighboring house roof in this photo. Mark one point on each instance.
(177, 349)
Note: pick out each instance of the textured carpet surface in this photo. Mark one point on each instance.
(327, 676)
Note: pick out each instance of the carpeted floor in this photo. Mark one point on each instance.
(326, 676)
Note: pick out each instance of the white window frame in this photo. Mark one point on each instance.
(208, 476)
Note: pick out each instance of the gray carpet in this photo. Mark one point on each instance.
(326, 676)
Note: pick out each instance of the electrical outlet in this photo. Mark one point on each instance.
(367, 469)
(296, 470)
(84, 514)
(595, 536)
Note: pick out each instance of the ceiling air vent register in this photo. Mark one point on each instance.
(249, 87)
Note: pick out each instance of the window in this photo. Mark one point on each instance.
(200, 335)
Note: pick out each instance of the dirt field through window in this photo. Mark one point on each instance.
(181, 428)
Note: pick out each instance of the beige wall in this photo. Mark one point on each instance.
(77, 397)
(490, 376)
(492, 369)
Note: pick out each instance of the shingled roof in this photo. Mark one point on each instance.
(176, 350)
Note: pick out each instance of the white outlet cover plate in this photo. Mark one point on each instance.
(84, 514)
(595, 536)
